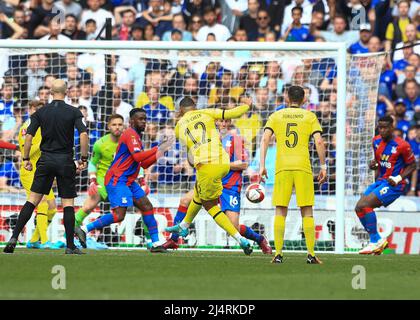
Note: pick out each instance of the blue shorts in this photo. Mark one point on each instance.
(386, 193)
(230, 200)
(121, 195)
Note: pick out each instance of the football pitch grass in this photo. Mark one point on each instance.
(189, 275)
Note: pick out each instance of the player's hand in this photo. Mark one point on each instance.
(93, 186)
(373, 165)
(80, 166)
(322, 177)
(263, 174)
(393, 181)
(167, 143)
(27, 165)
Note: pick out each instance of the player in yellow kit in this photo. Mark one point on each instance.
(47, 207)
(293, 127)
(197, 130)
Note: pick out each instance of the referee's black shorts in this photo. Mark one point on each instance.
(55, 165)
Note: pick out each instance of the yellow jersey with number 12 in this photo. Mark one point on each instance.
(197, 130)
(293, 128)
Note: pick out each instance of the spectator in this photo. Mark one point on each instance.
(248, 22)
(387, 82)
(263, 22)
(306, 14)
(211, 26)
(119, 106)
(71, 30)
(400, 117)
(7, 30)
(155, 111)
(137, 33)
(40, 17)
(296, 31)
(361, 46)
(409, 74)
(374, 44)
(196, 7)
(195, 25)
(90, 29)
(16, 30)
(149, 33)
(411, 34)
(339, 33)
(125, 20)
(96, 13)
(33, 76)
(54, 32)
(6, 101)
(396, 30)
(273, 79)
(224, 89)
(231, 12)
(73, 94)
(159, 16)
(178, 23)
(412, 100)
(240, 35)
(69, 7)
(85, 99)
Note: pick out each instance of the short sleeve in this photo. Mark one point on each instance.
(34, 124)
(270, 124)
(316, 127)
(79, 123)
(407, 153)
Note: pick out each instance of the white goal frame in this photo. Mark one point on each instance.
(337, 50)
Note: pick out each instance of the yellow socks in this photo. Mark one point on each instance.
(223, 221)
(193, 209)
(279, 227)
(309, 230)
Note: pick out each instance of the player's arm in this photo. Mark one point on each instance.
(148, 157)
(412, 191)
(227, 114)
(409, 160)
(320, 150)
(265, 140)
(30, 133)
(84, 142)
(92, 169)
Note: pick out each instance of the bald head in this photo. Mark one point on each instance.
(58, 88)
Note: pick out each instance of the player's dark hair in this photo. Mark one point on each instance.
(135, 110)
(296, 94)
(187, 102)
(387, 119)
(115, 116)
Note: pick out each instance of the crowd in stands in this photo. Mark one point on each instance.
(158, 85)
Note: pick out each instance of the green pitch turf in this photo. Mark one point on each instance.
(116, 274)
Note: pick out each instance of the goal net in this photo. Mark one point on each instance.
(106, 78)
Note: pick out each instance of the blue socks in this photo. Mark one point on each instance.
(150, 222)
(105, 220)
(250, 234)
(180, 215)
(372, 227)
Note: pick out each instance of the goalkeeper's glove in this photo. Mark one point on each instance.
(396, 179)
(93, 186)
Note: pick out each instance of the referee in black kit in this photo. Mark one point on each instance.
(57, 121)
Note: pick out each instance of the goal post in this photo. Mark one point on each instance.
(335, 78)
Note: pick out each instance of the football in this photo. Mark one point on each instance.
(255, 193)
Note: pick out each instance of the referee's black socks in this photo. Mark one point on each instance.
(69, 221)
(24, 216)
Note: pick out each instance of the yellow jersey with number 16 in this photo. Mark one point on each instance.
(197, 130)
(293, 128)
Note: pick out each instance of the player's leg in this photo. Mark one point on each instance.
(283, 188)
(145, 206)
(90, 203)
(186, 199)
(380, 193)
(42, 183)
(305, 199)
(230, 203)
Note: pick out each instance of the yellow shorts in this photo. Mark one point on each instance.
(27, 179)
(283, 188)
(209, 180)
